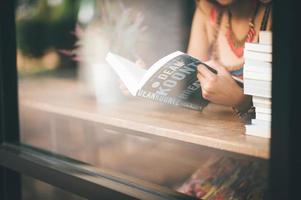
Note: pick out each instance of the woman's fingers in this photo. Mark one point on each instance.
(213, 64)
(123, 88)
(208, 80)
(200, 78)
(140, 63)
(205, 72)
(205, 86)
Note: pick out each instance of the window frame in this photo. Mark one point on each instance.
(17, 159)
(285, 161)
(10, 186)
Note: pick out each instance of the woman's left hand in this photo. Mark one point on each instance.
(219, 88)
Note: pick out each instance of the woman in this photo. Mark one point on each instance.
(219, 31)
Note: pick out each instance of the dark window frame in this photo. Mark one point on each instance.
(10, 187)
(16, 159)
(285, 161)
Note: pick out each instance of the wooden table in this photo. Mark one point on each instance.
(215, 127)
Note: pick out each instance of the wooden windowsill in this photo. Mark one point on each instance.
(215, 127)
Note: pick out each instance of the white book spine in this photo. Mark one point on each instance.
(257, 76)
(254, 131)
(265, 37)
(257, 63)
(266, 48)
(262, 100)
(259, 128)
(263, 110)
(266, 57)
(261, 105)
(259, 70)
(263, 116)
(257, 87)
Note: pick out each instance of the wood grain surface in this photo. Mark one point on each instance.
(216, 126)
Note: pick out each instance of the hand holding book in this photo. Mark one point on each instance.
(171, 80)
(140, 64)
(219, 87)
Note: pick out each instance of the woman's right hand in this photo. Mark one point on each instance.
(219, 88)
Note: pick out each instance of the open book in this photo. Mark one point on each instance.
(171, 80)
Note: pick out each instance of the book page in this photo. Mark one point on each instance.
(127, 71)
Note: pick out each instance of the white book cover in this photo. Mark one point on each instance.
(261, 105)
(265, 48)
(259, 128)
(263, 116)
(259, 56)
(257, 92)
(253, 67)
(259, 70)
(264, 110)
(262, 100)
(258, 88)
(267, 124)
(252, 63)
(265, 37)
(256, 75)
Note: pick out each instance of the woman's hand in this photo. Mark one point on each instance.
(219, 88)
(122, 87)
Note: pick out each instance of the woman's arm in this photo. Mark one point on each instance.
(199, 41)
(218, 88)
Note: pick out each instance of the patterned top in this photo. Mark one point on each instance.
(223, 51)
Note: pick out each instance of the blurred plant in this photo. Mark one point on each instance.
(114, 28)
(43, 25)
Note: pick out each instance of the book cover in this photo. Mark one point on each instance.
(257, 76)
(176, 83)
(265, 37)
(261, 106)
(257, 87)
(264, 110)
(259, 56)
(258, 66)
(264, 116)
(262, 102)
(252, 46)
(259, 128)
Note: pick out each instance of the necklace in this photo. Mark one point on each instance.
(237, 45)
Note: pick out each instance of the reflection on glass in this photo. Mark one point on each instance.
(35, 189)
(72, 102)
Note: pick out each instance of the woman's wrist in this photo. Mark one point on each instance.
(244, 104)
(245, 109)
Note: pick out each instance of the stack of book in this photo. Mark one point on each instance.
(258, 83)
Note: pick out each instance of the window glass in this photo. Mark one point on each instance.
(78, 100)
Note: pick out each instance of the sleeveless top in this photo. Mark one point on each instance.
(222, 51)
